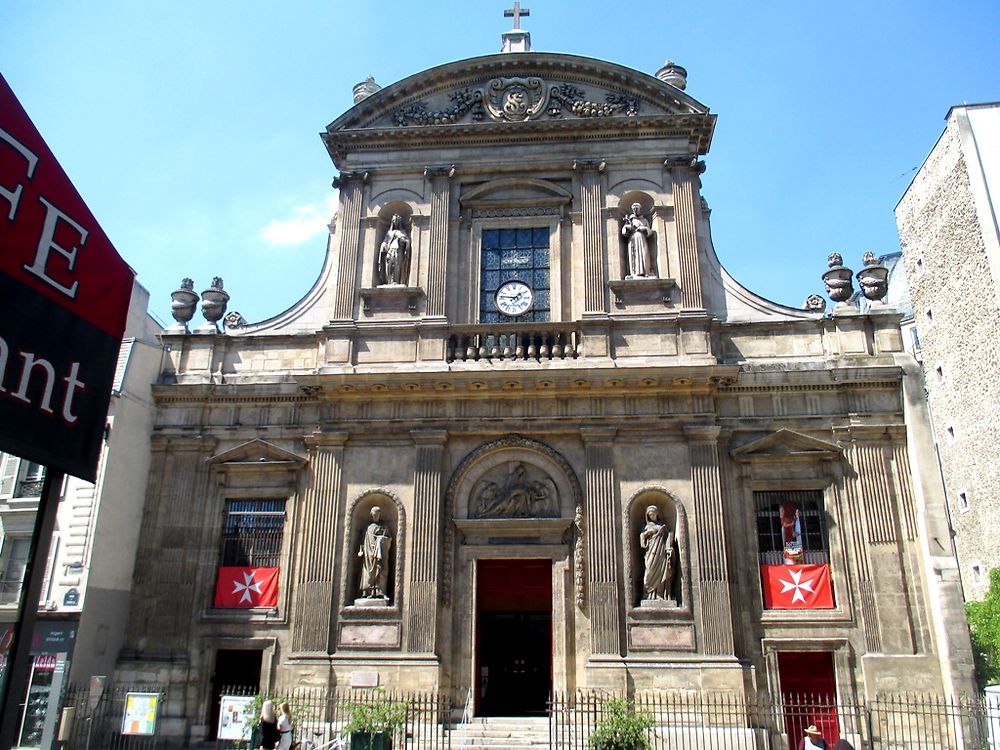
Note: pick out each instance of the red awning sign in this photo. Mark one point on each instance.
(64, 296)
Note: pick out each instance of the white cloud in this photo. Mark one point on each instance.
(306, 222)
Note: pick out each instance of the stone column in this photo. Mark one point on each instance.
(712, 575)
(603, 561)
(685, 171)
(351, 186)
(320, 538)
(594, 266)
(437, 251)
(428, 539)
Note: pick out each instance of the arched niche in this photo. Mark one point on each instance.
(359, 517)
(508, 464)
(646, 203)
(673, 514)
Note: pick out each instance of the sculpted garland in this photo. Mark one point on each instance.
(516, 100)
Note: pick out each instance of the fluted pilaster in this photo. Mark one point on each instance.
(712, 573)
(351, 187)
(319, 541)
(603, 563)
(428, 538)
(594, 266)
(437, 251)
(685, 174)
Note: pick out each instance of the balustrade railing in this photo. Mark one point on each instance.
(514, 342)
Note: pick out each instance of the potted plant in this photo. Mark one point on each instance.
(621, 728)
(373, 723)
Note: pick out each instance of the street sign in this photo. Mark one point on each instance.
(64, 295)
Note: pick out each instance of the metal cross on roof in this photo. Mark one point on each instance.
(516, 12)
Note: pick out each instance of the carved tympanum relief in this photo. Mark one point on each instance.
(515, 490)
(516, 100)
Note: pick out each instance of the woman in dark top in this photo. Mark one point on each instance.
(268, 727)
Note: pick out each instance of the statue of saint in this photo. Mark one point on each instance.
(636, 231)
(375, 552)
(658, 542)
(394, 255)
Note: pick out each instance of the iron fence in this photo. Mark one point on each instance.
(680, 720)
(697, 721)
(95, 719)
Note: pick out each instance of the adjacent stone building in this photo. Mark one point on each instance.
(84, 602)
(951, 251)
(526, 434)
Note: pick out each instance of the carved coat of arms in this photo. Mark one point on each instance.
(516, 99)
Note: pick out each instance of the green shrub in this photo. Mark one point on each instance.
(621, 728)
(379, 716)
(984, 628)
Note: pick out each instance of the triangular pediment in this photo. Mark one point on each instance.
(537, 93)
(258, 453)
(785, 444)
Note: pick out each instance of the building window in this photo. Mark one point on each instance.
(977, 574)
(20, 478)
(15, 560)
(791, 527)
(515, 255)
(963, 501)
(251, 533)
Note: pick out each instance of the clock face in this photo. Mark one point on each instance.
(514, 298)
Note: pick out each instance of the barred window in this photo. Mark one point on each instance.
(251, 533)
(791, 527)
(515, 254)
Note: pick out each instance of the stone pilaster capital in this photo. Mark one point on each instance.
(681, 163)
(581, 165)
(345, 178)
(430, 172)
(429, 437)
(698, 433)
(323, 439)
(598, 435)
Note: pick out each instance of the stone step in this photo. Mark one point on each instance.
(501, 732)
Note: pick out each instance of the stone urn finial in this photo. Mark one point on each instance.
(873, 278)
(214, 301)
(838, 279)
(365, 89)
(673, 74)
(183, 301)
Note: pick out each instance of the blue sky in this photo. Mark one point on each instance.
(191, 128)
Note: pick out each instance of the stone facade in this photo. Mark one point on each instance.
(499, 446)
(951, 252)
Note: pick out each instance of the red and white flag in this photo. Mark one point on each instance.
(246, 587)
(796, 586)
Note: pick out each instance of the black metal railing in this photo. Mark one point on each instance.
(697, 721)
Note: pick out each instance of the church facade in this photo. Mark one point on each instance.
(525, 434)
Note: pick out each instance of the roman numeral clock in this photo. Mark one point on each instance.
(514, 298)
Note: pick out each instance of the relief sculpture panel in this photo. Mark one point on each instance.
(515, 490)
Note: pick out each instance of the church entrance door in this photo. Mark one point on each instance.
(514, 637)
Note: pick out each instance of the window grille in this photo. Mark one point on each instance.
(515, 254)
(16, 551)
(251, 533)
(791, 524)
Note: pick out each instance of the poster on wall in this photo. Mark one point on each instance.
(233, 711)
(140, 713)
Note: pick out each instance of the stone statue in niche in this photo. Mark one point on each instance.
(515, 496)
(657, 541)
(394, 255)
(374, 551)
(636, 231)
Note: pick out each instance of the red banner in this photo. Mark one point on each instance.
(64, 296)
(796, 586)
(246, 587)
